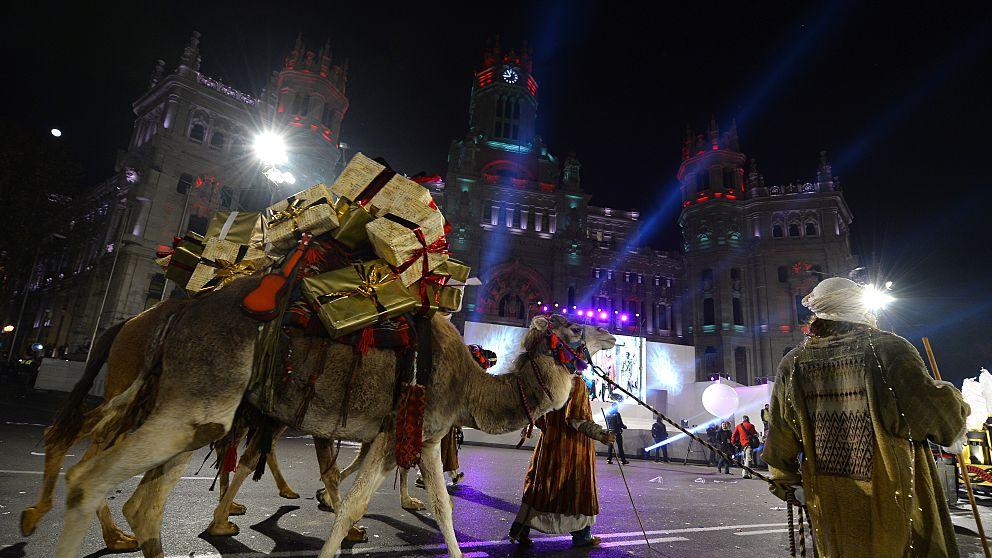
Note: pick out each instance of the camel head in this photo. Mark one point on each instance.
(595, 338)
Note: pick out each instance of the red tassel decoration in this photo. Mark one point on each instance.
(365, 341)
(230, 459)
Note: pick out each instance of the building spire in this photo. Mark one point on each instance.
(825, 173)
(687, 143)
(157, 73)
(733, 143)
(754, 177)
(714, 133)
(191, 54)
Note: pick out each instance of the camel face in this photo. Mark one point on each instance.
(598, 339)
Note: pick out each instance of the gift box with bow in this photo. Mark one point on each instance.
(379, 189)
(308, 211)
(180, 261)
(412, 247)
(222, 261)
(239, 227)
(443, 288)
(355, 297)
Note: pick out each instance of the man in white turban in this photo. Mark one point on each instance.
(858, 405)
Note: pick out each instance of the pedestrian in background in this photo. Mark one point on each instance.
(660, 433)
(765, 412)
(722, 441)
(614, 423)
(711, 432)
(746, 437)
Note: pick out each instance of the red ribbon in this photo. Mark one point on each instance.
(439, 246)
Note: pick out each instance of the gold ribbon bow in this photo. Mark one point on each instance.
(292, 212)
(228, 271)
(369, 279)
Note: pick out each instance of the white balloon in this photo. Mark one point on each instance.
(720, 400)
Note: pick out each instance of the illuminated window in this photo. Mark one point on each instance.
(609, 274)
(523, 218)
(538, 219)
(596, 273)
(626, 277)
(494, 216)
(509, 216)
(657, 281)
(552, 223)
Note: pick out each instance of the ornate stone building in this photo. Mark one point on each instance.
(189, 155)
(522, 220)
(752, 252)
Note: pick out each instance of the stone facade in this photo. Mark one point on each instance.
(189, 155)
(523, 222)
(751, 253)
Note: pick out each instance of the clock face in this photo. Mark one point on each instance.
(510, 75)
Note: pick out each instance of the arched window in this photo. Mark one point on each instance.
(794, 230)
(777, 231)
(738, 312)
(783, 274)
(707, 280)
(709, 312)
(510, 306)
(197, 132)
(217, 140)
(740, 365)
(811, 229)
(709, 361)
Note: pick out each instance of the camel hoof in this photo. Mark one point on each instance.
(324, 501)
(121, 542)
(413, 504)
(357, 534)
(228, 530)
(289, 494)
(29, 520)
(236, 509)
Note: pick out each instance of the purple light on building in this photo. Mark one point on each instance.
(602, 315)
(623, 317)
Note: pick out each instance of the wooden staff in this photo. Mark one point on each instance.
(964, 468)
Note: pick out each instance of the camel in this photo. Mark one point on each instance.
(205, 365)
(595, 338)
(124, 358)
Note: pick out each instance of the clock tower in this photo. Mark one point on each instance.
(504, 96)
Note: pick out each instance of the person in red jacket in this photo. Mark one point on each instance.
(746, 437)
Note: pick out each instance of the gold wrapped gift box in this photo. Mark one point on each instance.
(352, 219)
(239, 227)
(362, 182)
(222, 261)
(395, 240)
(308, 211)
(444, 288)
(352, 298)
(180, 264)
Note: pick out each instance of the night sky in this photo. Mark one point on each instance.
(897, 94)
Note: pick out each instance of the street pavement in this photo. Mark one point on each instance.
(687, 511)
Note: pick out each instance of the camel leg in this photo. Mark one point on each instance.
(157, 441)
(285, 490)
(374, 468)
(225, 481)
(221, 526)
(54, 457)
(408, 502)
(441, 502)
(113, 536)
(330, 496)
(357, 462)
(145, 507)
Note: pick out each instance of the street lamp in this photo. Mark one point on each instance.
(56, 132)
(270, 149)
(8, 328)
(876, 299)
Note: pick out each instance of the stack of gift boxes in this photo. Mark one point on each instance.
(389, 222)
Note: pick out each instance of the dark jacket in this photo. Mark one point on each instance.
(711, 431)
(659, 431)
(614, 422)
(723, 441)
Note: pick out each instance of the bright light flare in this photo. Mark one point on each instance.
(8, 328)
(270, 148)
(56, 132)
(876, 299)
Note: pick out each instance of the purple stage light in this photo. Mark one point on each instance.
(544, 308)
(564, 311)
(602, 315)
(623, 317)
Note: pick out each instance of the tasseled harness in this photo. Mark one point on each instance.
(565, 355)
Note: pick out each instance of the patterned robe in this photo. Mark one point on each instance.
(449, 451)
(870, 491)
(560, 485)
